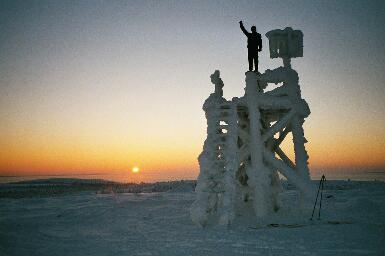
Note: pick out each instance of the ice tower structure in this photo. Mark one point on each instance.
(242, 155)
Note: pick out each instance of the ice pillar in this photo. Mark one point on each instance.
(258, 173)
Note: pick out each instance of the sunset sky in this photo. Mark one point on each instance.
(103, 86)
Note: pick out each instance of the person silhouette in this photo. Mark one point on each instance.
(254, 45)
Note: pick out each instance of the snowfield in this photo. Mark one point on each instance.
(106, 222)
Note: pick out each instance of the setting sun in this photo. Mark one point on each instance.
(135, 169)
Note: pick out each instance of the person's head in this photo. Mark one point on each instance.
(253, 29)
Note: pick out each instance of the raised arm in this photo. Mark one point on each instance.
(243, 29)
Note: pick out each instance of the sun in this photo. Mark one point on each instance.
(135, 169)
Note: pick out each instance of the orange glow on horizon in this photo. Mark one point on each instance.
(59, 159)
(51, 151)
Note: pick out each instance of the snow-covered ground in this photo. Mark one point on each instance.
(93, 223)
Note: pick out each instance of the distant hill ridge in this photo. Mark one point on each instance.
(64, 186)
(64, 181)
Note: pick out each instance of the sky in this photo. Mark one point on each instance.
(103, 86)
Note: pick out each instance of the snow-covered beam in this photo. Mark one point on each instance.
(304, 185)
(279, 125)
(282, 136)
(284, 157)
(272, 102)
(278, 75)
